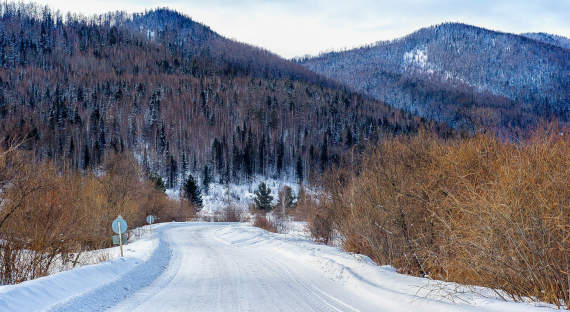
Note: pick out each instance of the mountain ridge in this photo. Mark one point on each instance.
(483, 69)
(556, 40)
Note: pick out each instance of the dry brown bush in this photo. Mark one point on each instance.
(261, 221)
(478, 211)
(51, 212)
(303, 206)
(317, 212)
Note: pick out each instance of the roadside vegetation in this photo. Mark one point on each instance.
(51, 214)
(478, 211)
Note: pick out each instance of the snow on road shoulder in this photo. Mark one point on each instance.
(300, 267)
(381, 284)
(49, 291)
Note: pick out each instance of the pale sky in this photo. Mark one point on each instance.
(296, 27)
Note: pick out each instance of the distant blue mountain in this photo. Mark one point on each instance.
(463, 75)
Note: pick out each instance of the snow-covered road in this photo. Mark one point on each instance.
(209, 274)
(235, 267)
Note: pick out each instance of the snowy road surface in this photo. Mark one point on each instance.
(235, 267)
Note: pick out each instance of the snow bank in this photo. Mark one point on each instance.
(45, 293)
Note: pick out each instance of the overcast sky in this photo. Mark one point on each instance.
(296, 27)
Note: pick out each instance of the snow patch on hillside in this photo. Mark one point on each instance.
(417, 57)
(416, 60)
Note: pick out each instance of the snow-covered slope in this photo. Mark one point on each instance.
(235, 267)
(241, 195)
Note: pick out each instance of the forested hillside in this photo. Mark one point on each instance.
(466, 76)
(560, 41)
(179, 96)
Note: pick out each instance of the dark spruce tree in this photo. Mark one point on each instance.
(218, 153)
(172, 173)
(280, 155)
(192, 192)
(324, 154)
(157, 182)
(263, 197)
(237, 160)
(299, 170)
(206, 179)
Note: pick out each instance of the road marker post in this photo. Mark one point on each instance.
(119, 226)
(150, 220)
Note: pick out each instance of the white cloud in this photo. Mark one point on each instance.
(294, 27)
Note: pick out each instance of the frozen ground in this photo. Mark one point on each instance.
(236, 267)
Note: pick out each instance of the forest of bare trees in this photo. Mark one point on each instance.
(77, 88)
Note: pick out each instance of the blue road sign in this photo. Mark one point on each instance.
(150, 219)
(123, 225)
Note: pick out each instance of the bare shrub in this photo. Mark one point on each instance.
(285, 202)
(320, 221)
(305, 203)
(231, 213)
(261, 221)
(318, 213)
(478, 211)
(281, 224)
(171, 210)
(51, 214)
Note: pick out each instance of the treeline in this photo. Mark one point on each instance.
(79, 89)
(51, 214)
(477, 211)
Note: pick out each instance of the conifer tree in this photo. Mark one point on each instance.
(280, 155)
(206, 179)
(299, 170)
(324, 154)
(192, 192)
(172, 172)
(157, 182)
(263, 197)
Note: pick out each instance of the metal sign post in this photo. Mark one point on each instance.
(150, 220)
(119, 226)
